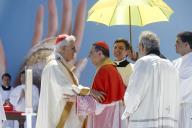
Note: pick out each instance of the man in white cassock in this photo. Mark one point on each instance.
(2, 113)
(57, 79)
(151, 97)
(17, 99)
(184, 65)
(5, 90)
(121, 50)
(121, 53)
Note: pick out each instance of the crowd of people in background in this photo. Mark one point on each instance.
(13, 98)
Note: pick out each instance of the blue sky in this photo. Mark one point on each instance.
(17, 25)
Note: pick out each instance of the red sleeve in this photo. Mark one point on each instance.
(110, 82)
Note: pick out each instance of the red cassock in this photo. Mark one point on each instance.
(109, 81)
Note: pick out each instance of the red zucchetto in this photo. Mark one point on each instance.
(61, 38)
(102, 44)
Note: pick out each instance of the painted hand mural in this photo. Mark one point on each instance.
(41, 48)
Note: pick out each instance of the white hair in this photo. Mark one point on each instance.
(65, 42)
(149, 40)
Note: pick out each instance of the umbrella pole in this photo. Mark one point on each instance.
(130, 35)
(130, 32)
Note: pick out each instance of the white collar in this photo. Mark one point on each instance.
(186, 56)
(117, 62)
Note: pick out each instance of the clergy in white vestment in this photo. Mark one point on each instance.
(121, 48)
(2, 112)
(184, 66)
(5, 87)
(57, 79)
(5, 90)
(17, 99)
(124, 65)
(151, 97)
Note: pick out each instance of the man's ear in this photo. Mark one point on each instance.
(100, 53)
(142, 48)
(127, 52)
(187, 45)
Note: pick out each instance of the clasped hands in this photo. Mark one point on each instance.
(99, 96)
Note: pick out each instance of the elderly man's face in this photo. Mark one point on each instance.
(68, 52)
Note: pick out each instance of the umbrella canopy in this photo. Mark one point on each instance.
(129, 12)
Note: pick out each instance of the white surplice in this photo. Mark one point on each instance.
(55, 82)
(151, 98)
(5, 94)
(2, 112)
(184, 66)
(125, 68)
(19, 103)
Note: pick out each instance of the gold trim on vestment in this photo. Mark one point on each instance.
(84, 92)
(68, 106)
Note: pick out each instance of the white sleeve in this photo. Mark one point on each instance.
(35, 96)
(15, 95)
(55, 82)
(137, 87)
(60, 81)
(2, 112)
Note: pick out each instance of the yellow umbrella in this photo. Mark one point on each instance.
(129, 12)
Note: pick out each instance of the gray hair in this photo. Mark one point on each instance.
(65, 42)
(150, 41)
